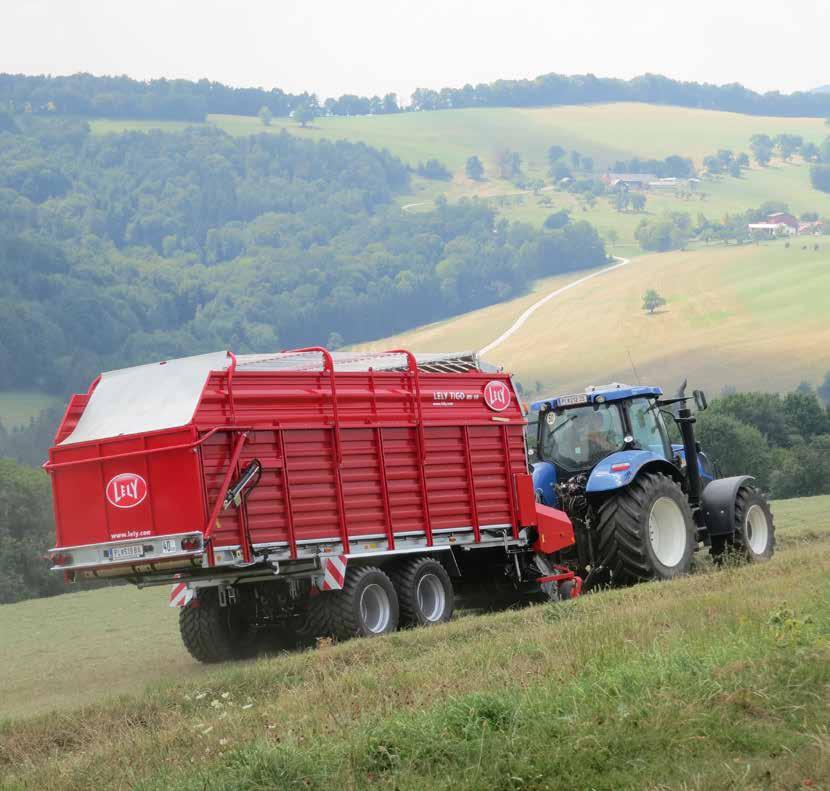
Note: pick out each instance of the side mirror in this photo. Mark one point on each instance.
(700, 400)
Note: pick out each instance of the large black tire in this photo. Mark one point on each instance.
(212, 633)
(366, 607)
(425, 592)
(754, 537)
(646, 531)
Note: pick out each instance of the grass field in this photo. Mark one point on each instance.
(753, 317)
(17, 407)
(717, 681)
(605, 132)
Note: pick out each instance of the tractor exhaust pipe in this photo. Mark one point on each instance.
(686, 422)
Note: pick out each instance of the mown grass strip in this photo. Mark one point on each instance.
(659, 684)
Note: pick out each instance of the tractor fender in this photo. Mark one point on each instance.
(544, 483)
(718, 504)
(612, 473)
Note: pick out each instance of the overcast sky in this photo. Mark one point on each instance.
(373, 47)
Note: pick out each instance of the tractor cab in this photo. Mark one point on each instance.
(579, 431)
(576, 433)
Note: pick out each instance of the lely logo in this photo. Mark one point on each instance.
(126, 490)
(497, 395)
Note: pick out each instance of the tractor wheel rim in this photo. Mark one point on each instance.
(432, 600)
(757, 529)
(667, 531)
(375, 609)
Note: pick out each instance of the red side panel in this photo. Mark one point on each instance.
(527, 499)
(555, 530)
(170, 494)
(456, 471)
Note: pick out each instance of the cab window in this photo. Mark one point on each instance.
(647, 426)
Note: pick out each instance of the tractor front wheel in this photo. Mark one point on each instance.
(646, 531)
(754, 537)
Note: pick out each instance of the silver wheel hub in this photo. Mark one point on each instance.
(757, 530)
(431, 597)
(667, 531)
(375, 609)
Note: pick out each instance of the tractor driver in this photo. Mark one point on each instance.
(600, 440)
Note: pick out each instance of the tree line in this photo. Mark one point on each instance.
(784, 441)
(123, 248)
(174, 99)
(552, 89)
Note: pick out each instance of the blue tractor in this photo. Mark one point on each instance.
(640, 505)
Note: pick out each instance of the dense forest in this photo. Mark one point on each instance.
(121, 97)
(124, 248)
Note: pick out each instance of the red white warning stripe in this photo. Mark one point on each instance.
(180, 595)
(334, 573)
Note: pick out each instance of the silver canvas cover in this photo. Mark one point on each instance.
(146, 398)
(165, 395)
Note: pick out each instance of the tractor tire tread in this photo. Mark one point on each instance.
(745, 495)
(623, 532)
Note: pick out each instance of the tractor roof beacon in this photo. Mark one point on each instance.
(639, 507)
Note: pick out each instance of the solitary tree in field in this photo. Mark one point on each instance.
(652, 300)
(265, 115)
(555, 153)
(612, 237)
(474, 168)
(305, 114)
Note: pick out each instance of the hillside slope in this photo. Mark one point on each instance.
(605, 132)
(752, 317)
(726, 671)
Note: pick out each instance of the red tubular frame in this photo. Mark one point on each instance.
(564, 574)
(231, 372)
(328, 367)
(220, 499)
(186, 446)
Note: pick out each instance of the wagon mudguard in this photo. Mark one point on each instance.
(620, 469)
(718, 504)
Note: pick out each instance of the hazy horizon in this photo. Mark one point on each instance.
(366, 48)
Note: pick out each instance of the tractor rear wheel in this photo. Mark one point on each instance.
(425, 592)
(212, 633)
(366, 607)
(646, 531)
(754, 537)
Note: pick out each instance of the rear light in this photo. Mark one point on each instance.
(62, 559)
(622, 467)
(191, 544)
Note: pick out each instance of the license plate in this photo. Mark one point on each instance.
(127, 553)
(571, 400)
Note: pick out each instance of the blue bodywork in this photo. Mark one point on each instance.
(603, 393)
(628, 463)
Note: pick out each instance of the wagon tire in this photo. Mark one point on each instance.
(646, 531)
(425, 592)
(366, 607)
(212, 633)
